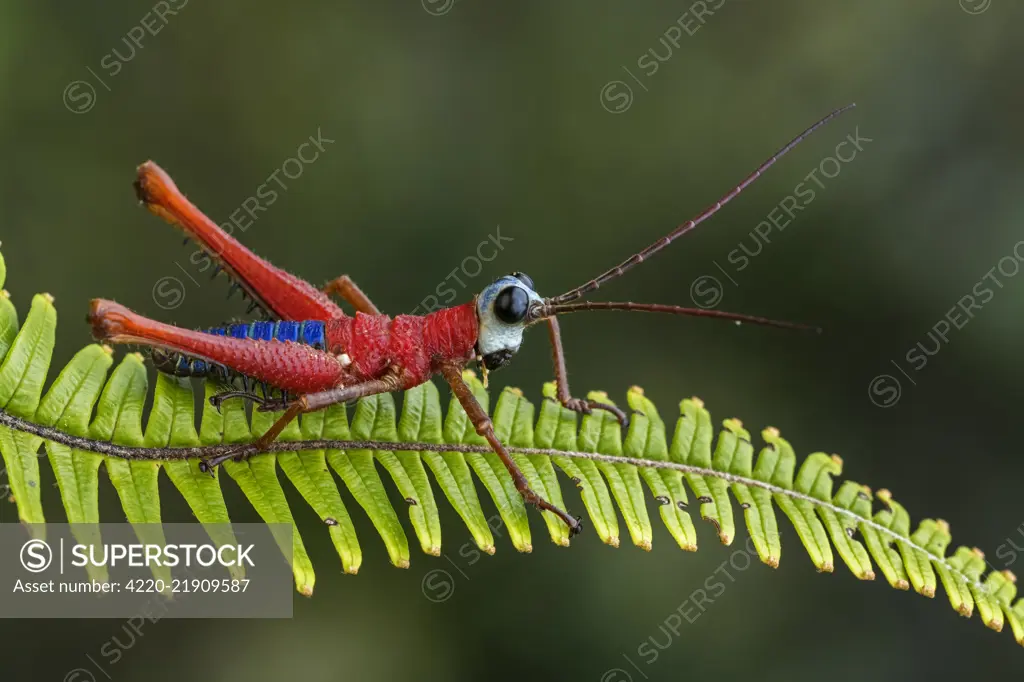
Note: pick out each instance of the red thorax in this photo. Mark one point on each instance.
(416, 345)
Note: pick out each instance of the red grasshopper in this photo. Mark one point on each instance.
(322, 356)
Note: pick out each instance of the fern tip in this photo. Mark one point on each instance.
(612, 540)
(994, 624)
(636, 389)
(1010, 575)
(965, 610)
(401, 563)
(697, 402)
(867, 575)
(978, 553)
(772, 561)
(927, 591)
(826, 567)
(490, 549)
(48, 297)
(943, 525)
(107, 349)
(901, 585)
(4, 293)
(432, 551)
(306, 590)
(644, 544)
(770, 433)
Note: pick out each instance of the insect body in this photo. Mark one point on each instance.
(317, 355)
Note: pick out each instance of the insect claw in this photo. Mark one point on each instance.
(235, 286)
(187, 240)
(252, 306)
(216, 271)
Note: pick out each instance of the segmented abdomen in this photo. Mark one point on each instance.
(310, 332)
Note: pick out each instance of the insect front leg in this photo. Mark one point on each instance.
(281, 293)
(348, 290)
(562, 380)
(482, 423)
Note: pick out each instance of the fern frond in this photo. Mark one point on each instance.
(90, 420)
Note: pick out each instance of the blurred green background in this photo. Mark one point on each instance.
(449, 120)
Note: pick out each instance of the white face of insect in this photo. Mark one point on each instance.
(501, 309)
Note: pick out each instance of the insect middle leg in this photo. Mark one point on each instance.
(562, 380)
(349, 291)
(265, 403)
(283, 294)
(311, 403)
(478, 416)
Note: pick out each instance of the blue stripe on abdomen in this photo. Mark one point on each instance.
(313, 334)
(287, 331)
(264, 331)
(310, 333)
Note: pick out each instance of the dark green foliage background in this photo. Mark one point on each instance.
(448, 126)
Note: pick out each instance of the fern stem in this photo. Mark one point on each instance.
(246, 451)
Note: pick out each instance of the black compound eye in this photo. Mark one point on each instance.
(511, 304)
(525, 279)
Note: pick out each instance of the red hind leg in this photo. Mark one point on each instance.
(282, 293)
(292, 367)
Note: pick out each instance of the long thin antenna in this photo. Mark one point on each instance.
(548, 309)
(689, 225)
